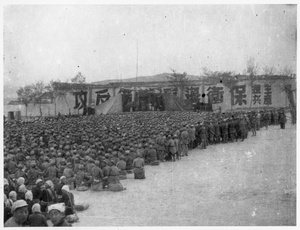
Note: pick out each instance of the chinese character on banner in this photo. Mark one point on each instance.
(216, 94)
(102, 96)
(238, 95)
(268, 95)
(82, 96)
(192, 94)
(256, 94)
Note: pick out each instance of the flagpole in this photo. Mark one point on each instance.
(137, 70)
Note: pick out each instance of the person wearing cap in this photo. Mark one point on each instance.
(19, 211)
(224, 131)
(171, 148)
(152, 156)
(242, 128)
(7, 209)
(97, 177)
(20, 181)
(32, 175)
(68, 199)
(12, 196)
(113, 178)
(48, 196)
(21, 192)
(29, 200)
(282, 119)
(82, 179)
(105, 170)
(7, 187)
(51, 172)
(62, 166)
(253, 122)
(20, 173)
(37, 190)
(57, 215)
(57, 188)
(275, 115)
(184, 140)
(70, 176)
(121, 164)
(129, 161)
(37, 219)
(217, 131)
(138, 167)
(258, 118)
(160, 146)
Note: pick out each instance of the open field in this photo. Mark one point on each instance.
(250, 183)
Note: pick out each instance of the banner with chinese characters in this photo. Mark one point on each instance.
(246, 95)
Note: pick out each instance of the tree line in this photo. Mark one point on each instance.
(36, 93)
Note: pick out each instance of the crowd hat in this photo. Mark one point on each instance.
(59, 206)
(18, 204)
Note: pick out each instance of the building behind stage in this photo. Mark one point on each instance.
(242, 92)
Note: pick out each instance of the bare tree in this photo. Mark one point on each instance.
(79, 78)
(286, 71)
(270, 71)
(252, 67)
(37, 95)
(25, 96)
(57, 93)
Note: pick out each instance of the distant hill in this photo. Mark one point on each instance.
(158, 77)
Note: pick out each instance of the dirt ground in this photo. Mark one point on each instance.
(250, 183)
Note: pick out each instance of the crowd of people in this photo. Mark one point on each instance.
(44, 160)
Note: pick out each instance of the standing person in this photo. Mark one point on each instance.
(282, 119)
(138, 167)
(211, 132)
(37, 219)
(275, 117)
(197, 133)
(152, 156)
(171, 148)
(19, 210)
(160, 147)
(176, 143)
(184, 139)
(57, 215)
(242, 128)
(253, 125)
(267, 117)
(232, 131)
(217, 132)
(258, 116)
(203, 136)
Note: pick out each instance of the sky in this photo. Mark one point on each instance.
(44, 42)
